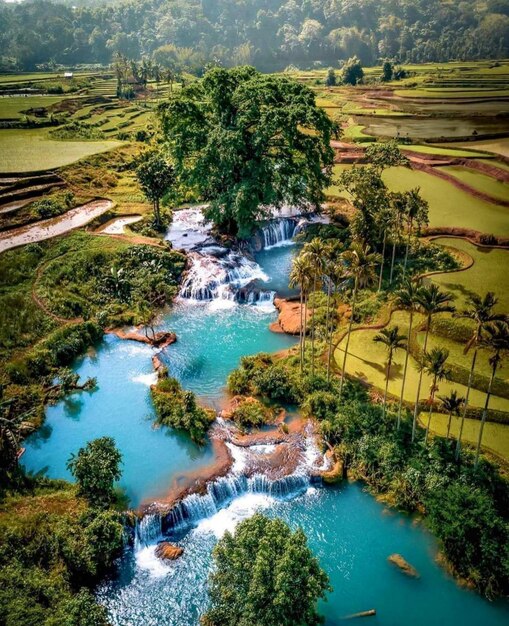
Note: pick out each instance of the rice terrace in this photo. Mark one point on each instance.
(254, 312)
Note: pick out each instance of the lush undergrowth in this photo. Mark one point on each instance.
(466, 508)
(53, 548)
(178, 408)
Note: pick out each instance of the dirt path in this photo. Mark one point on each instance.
(53, 227)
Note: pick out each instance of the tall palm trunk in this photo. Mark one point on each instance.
(393, 258)
(327, 329)
(304, 329)
(405, 368)
(350, 323)
(485, 414)
(416, 408)
(382, 263)
(449, 425)
(431, 400)
(410, 225)
(313, 329)
(387, 375)
(301, 301)
(465, 407)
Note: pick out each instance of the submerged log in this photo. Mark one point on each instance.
(368, 613)
(403, 565)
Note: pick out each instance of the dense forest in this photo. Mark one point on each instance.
(270, 34)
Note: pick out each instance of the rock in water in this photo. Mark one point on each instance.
(168, 551)
(404, 566)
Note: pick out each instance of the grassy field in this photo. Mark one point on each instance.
(489, 273)
(497, 146)
(13, 107)
(477, 180)
(495, 436)
(32, 150)
(366, 360)
(446, 152)
(448, 206)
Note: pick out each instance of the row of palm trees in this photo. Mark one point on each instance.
(490, 331)
(325, 264)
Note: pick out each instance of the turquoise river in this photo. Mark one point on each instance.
(350, 532)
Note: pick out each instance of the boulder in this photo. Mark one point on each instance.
(289, 316)
(168, 551)
(403, 565)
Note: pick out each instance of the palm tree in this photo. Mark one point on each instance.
(480, 311)
(360, 266)
(452, 404)
(335, 274)
(433, 364)
(430, 301)
(406, 298)
(299, 277)
(496, 339)
(314, 252)
(393, 341)
(416, 213)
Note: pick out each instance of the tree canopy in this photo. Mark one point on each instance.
(246, 141)
(265, 575)
(96, 467)
(269, 34)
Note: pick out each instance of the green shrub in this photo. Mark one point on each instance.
(177, 408)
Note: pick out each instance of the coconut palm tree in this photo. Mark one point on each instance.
(480, 311)
(299, 277)
(496, 339)
(393, 341)
(359, 265)
(430, 301)
(335, 275)
(433, 364)
(314, 252)
(406, 298)
(452, 404)
(416, 213)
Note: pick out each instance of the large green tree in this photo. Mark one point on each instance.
(265, 575)
(246, 141)
(96, 467)
(156, 178)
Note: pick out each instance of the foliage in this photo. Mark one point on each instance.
(270, 36)
(352, 72)
(330, 79)
(177, 408)
(248, 141)
(251, 412)
(52, 551)
(52, 206)
(156, 178)
(264, 575)
(96, 468)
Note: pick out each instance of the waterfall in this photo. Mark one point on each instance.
(278, 232)
(212, 278)
(222, 491)
(148, 530)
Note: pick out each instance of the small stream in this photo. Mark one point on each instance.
(223, 314)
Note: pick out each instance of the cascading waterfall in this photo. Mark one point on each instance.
(219, 274)
(278, 232)
(148, 530)
(222, 491)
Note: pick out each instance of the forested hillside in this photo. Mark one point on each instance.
(270, 34)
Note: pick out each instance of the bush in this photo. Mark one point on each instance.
(251, 412)
(178, 409)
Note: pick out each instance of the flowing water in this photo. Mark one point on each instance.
(223, 313)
